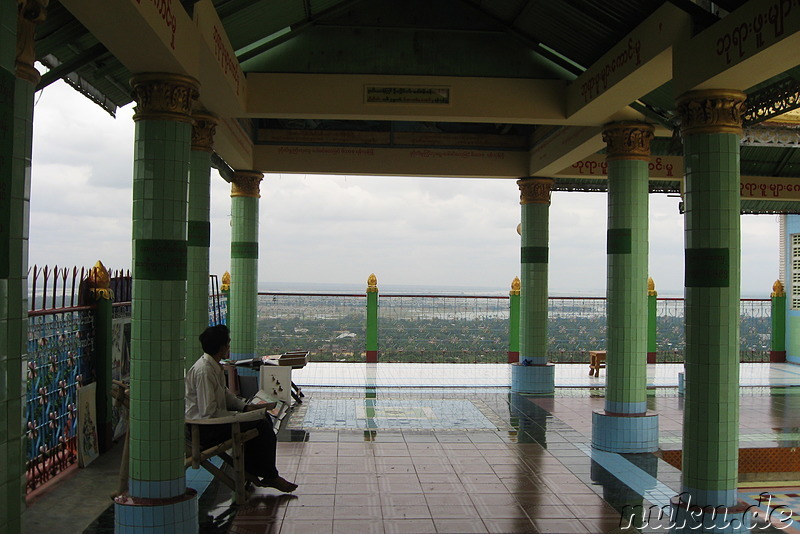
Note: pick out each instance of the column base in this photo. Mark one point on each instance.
(687, 518)
(372, 356)
(513, 357)
(177, 515)
(533, 379)
(623, 433)
(651, 357)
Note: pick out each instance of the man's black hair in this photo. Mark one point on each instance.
(214, 338)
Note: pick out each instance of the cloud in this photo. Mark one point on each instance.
(339, 229)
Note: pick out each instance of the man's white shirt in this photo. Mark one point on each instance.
(206, 394)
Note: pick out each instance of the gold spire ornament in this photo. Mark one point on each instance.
(372, 283)
(651, 288)
(516, 286)
(777, 289)
(226, 282)
(100, 282)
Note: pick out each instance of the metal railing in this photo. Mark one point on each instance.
(468, 329)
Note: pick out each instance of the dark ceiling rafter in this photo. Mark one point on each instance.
(527, 40)
(729, 5)
(81, 60)
(701, 17)
(523, 9)
(295, 29)
(225, 8)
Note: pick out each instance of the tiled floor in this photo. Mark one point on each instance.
(460, 453)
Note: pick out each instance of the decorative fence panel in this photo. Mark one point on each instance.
(60, 361)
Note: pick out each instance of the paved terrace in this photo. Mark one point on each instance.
(444, 448)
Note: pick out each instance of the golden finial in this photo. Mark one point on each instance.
(226, 281)
(651, 288)
(100, 282)
(372, 283)
(516, 285)
(777, 289)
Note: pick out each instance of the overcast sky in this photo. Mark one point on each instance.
(339, 229)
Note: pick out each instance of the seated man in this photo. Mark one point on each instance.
(207, 397)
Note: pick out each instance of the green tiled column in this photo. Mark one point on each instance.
(626, 246)
(372, 319)
(624, 425)
(17, 81)
(243, 297)
(711, 128)
(534, 374)
(777, 351)
(158, 496)
(652, 330)
(199, 231)
(513, 321)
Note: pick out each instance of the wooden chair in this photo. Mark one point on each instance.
(597, 361)
(231, 451)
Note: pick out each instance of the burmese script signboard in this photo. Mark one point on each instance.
(595, 166)
(671, 168)
(406, 94)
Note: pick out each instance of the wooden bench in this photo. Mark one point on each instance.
(597, 361)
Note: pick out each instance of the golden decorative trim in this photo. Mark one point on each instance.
(203, 129)
(372, 283)
(246, 184)
(29, 14)
(516, 285)
(711, 111)
(100, 282)
(628, 140)
(777, 289)
(164, 96)
(535, 190)
(651, 288)
(226, 282)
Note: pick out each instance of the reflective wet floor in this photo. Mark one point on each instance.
(372, 457)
